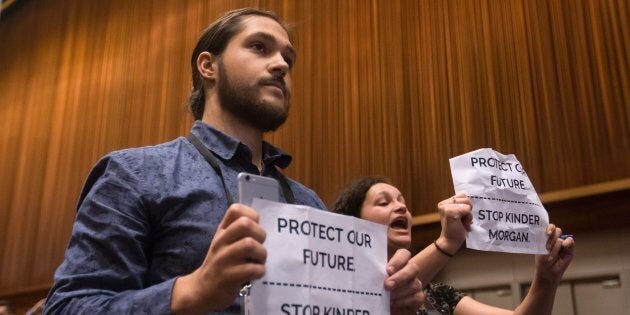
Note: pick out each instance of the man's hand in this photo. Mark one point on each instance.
(236, 256)
(405, 289)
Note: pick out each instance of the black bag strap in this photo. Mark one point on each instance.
(212, 160)
(286, 189)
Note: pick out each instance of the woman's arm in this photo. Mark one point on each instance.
(456, 219)
(541, 295)
(549, 271)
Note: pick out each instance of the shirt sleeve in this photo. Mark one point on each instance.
(306, 196)
(108, 255)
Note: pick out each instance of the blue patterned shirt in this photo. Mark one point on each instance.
(147, 215)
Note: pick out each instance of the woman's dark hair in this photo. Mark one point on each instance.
(214, 40)
(352, 197)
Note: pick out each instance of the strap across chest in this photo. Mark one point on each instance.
(212, 160)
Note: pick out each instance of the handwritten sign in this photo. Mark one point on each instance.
(507, 213)
(319, 262)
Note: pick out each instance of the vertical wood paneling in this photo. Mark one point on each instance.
(393, 88)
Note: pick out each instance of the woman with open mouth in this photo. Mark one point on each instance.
(375, 199)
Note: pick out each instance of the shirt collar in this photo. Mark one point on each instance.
(227, 147)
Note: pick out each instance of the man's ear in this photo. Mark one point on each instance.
(207, 65)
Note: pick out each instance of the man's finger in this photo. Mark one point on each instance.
(236, 211)
(398, 261)
(412, 302)
(243, 227)
(403, 277)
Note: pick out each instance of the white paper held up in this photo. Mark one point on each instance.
(507, 213)
(319, 262)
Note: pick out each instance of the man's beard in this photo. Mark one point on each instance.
(244, 103)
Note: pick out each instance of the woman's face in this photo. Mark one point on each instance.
(385, 204)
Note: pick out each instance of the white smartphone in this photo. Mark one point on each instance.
(252, 186)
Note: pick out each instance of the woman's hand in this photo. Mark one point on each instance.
(456, 219)
(552, 266)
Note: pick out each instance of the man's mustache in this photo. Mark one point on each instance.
(276, 81)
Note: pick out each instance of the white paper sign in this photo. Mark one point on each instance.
(319, 262)
(507, 213)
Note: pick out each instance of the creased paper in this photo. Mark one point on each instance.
(507, 213)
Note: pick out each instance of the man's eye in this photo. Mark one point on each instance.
(289, 62)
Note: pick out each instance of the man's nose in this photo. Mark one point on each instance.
(279, 65)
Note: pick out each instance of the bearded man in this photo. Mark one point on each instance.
(157, 231)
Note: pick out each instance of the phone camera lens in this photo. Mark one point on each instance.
(247, 177)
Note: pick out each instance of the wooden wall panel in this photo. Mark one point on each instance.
(393, 88)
